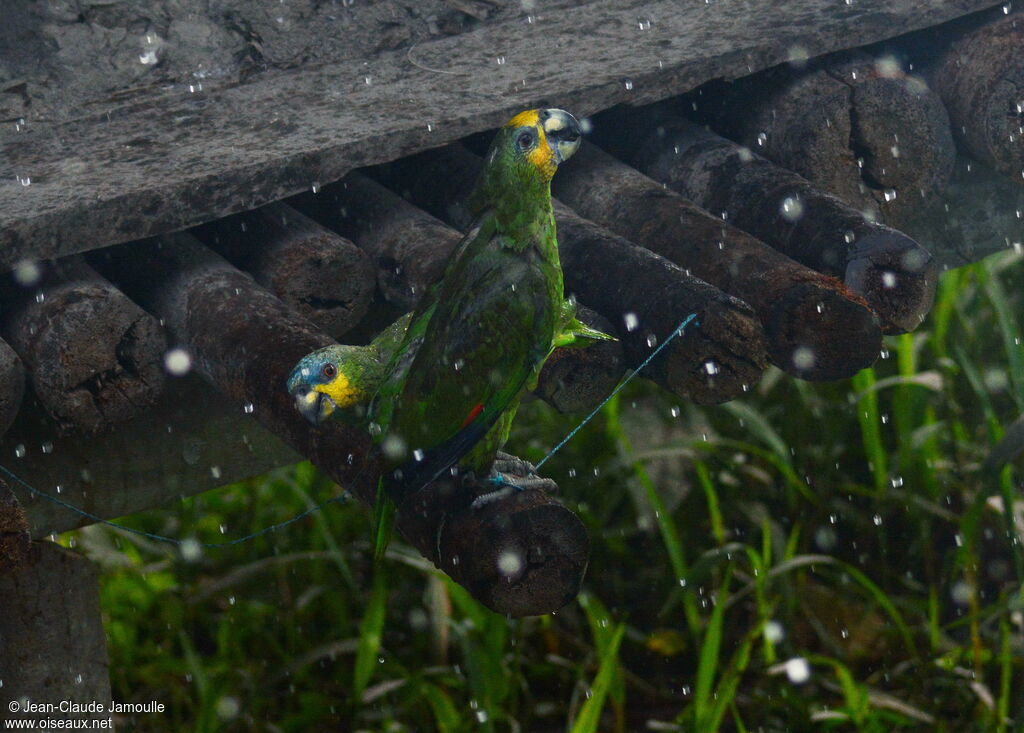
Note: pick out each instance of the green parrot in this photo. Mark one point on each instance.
(489, 324)
(338, 381)
(480, 336)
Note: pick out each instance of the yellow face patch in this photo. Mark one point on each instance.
(542, 157)
(340, 390)
(527, 118)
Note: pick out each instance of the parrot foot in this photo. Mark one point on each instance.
(513, 465)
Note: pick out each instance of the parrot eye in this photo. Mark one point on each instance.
(525, 140)
(329, 370)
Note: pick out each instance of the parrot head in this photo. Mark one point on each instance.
(537, 141)
(326, 380)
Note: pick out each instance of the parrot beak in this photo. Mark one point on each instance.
(312, 405)
(563, 133)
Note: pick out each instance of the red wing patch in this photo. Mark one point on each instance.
(472, 414)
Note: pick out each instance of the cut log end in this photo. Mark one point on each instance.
(577, 379)
(980, 78)
(899, 283)
(12, 385)
(522, 554)
(719, 356)
(818, 334)
(100, 363)
(330, 284)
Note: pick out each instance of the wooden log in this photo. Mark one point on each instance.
(93, 356)
(146, 161)
(981, 80)
(12, 385)
(627, 284)
(815, 327)
(577, 380)
(52, 644)
(245, 341)
(979, 213)
(14, 531)
(893, 273)
(411, 249)
(320, 274)
(857, 127)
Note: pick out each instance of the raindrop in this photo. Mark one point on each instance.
(47, 447)
(652, 340)
(19, 450)
(231, 600)
(177, 362)
(228, 707)
(798, 670)
(26, 181)
(628, 84)
(762, 138)
(798, 55)
(315, 187)
(248, 408)
(393, 447)
(674, 411)
(792, 209)
(509, 563)
(631, 321)
(190, 549)
(773, 632)
(961, 593)
(27, 273)
(215, 471)
(896, 481)
(500, 60)
(803, 358)
(418, 454)
(711, 368)
(889, 194)
(877, 519)
(40, 296)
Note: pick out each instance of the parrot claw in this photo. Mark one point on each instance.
(509, 464)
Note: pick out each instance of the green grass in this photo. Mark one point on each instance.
(851, 525)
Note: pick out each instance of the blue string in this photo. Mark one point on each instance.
(572, 433)
(343, 497)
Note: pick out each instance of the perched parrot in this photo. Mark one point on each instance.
(480, 336)
(339, 380)
(491, 321)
